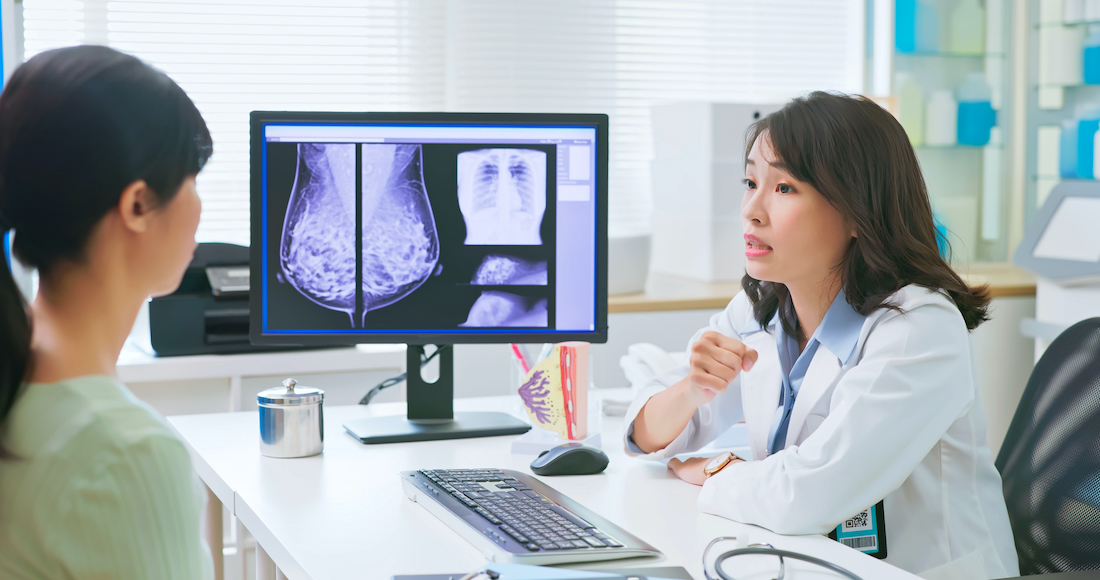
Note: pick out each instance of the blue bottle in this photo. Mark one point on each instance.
(905, 25)
(941, 236)
(1087, 127)
(976, 115)
(1091, 58)
(1067, 150)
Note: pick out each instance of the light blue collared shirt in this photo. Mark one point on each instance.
(839, 332)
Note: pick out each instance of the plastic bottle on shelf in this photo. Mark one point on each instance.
(927, 34)
(941, 119)
(1096, 156)
(905, 25)
(1092, 10)
(1060, 55)
(1067, 150)
(910, 107)
(967, 32)
(1087, 126)
(976, 114)
(1091, 57)
(1073, 11)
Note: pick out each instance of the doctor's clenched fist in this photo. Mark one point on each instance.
(715, 361)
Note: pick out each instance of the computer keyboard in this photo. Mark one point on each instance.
(513, 517)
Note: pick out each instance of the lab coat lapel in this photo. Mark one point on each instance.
(819, 377)
(760, 390)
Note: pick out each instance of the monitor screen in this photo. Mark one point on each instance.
(428, 228)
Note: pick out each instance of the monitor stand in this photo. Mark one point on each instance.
(431, 413)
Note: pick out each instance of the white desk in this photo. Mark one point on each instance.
(342, 514)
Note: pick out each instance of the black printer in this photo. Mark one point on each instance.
(208, 313)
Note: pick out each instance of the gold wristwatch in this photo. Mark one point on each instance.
(717, 463)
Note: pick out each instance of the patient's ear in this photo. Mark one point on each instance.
(136, 205)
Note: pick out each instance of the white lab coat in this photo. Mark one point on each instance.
(900, 422)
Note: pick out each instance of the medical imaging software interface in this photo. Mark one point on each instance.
(372, 228)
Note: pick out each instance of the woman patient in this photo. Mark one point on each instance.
(98, 158)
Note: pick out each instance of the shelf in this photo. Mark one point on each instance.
(1060, 178)
(958, 147)
(950, 54)
(1042, 25)
(1041, 86)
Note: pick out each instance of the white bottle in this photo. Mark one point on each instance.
(910, 107)
(967, 28)
(941, 119)
(1073, 11)
(1060, 52)
(1092, 10)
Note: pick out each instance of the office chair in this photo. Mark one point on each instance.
(1050, 459)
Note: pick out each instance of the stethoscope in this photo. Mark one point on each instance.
(765, 550)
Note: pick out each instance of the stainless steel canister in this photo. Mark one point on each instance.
(291, 421)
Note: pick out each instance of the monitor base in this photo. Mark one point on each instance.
(399, 429)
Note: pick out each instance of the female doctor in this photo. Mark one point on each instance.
(846, 354)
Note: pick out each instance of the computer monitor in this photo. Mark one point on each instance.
(428, 229)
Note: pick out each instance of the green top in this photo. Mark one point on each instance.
(102, 488)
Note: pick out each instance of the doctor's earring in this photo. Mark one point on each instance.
(740, 549)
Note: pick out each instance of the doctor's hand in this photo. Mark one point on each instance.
(715, 361)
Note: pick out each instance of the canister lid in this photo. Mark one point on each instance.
(290, 394)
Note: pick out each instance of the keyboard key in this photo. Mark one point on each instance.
(593, 542)
(532, 546)
(579, 544)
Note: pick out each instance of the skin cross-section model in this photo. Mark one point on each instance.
(502, 196)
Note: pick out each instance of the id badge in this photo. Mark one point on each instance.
(865, 531)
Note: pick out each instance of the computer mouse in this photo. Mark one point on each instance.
(570, 459)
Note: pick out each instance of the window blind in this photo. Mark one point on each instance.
(611, 56)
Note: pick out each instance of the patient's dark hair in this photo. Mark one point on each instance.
(857, 155)
(77, 126)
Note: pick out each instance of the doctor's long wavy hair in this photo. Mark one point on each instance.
(858, 157)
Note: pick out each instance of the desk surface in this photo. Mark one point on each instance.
(665, 292)
(342, 514)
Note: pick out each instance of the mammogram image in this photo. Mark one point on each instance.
(494, 308)
(317, 250)
(400, 244)
(498, 270)
(502, 196)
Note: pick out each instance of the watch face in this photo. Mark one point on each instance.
(716, 462)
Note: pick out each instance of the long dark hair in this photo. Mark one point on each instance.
(857, 155)
(78, 125)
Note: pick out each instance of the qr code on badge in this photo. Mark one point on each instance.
(859, 522)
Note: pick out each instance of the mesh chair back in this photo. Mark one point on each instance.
(1050, 459)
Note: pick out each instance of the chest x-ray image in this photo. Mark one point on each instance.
(502, 196)
(499, 270)
(399, 240)
(495, 308)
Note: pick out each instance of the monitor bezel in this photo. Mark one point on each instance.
(257, 120)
